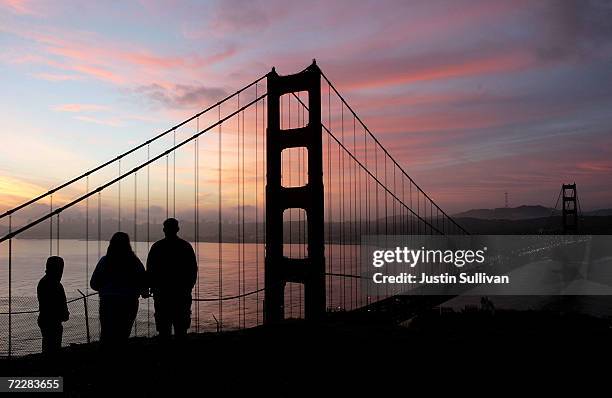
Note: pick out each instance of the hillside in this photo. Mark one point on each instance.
(507, 213)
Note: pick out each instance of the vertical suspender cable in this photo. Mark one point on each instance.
(353, 239)
(386, 199)
(136, 234)
(57, 238)
(330, 259)
(393, 201)
(10, 289)
(167, 187)
(410, 215)
(220, 231)
(51, 226)
(264, 139)
(418, 213)
(174, 175)
(341, 209)
(119, 200)
(196, 222)
(99, 238)
(238, 230)
(403, 214)
(376, 186)
(243, 231)
(87, 238)
(300, 183)
(148, 231)
(430, 218)
(256, 209)
(136, 212)
(289, 172)
(263, 179)
(304, 232)
(367, 201)
(99, 225)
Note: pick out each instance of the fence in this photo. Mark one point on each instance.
(21, 336)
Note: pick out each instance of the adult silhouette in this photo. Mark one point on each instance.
(120, 278)
(172, 272)
(52, 306)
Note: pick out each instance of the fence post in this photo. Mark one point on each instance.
(86, 315)
(218, 326)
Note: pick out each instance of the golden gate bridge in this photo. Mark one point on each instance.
(275, 185)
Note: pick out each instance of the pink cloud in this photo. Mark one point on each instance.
(594, 166)
(122, 64)
(22, 7)
(396, 72)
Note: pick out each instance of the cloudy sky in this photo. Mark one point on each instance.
(474, 98)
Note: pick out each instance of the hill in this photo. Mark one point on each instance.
(507, 213)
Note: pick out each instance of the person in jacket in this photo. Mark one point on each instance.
(119, 277)
(172, 271)
(53, 309)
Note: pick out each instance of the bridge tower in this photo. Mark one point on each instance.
(279, 270)
(570, 208)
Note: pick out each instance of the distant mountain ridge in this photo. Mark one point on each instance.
(507, 213)
(521, 213)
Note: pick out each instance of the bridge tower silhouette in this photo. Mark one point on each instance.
(570, 208)
(279, 270)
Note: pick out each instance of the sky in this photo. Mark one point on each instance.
(473, 98)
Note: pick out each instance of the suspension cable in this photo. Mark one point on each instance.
(373, 176)
(384, 149)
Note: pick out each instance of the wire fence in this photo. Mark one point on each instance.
(23, 336)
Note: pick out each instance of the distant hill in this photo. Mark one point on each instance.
(523, 213)
(589, 225)
(507, 213)
(599, 213)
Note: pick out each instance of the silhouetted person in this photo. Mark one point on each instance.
(172, 272)
(120, 278)
(53, 309)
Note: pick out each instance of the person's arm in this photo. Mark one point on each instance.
(151, 267)
(97, 277)
(193, 267)
(141, 279)
(64, 303)
(43, 298)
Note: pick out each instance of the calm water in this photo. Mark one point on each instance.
(242, 270)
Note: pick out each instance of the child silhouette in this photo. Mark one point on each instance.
(53, 309)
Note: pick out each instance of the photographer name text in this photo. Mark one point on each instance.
(412, 258)
(441, 279)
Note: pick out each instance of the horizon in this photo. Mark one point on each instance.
(475, 99)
